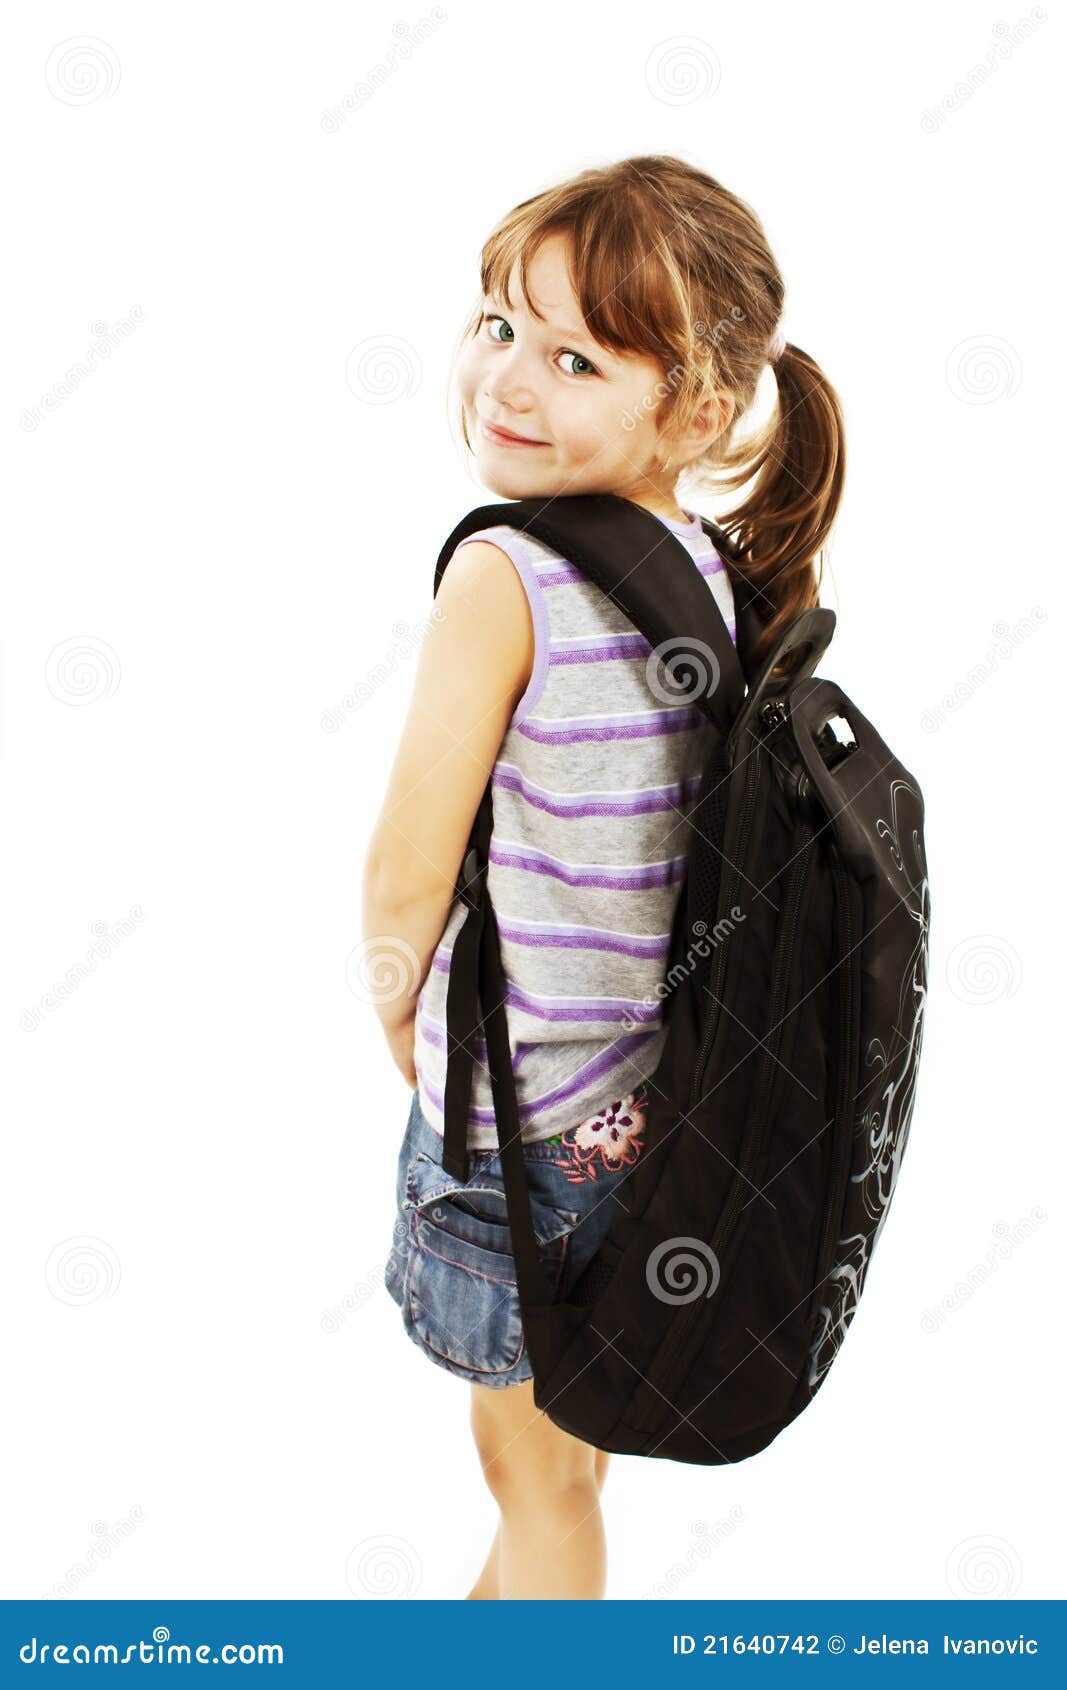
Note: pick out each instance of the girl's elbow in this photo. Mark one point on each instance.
(396, 883)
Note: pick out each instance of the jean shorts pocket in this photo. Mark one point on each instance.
(462, 1302)
(462, 1299)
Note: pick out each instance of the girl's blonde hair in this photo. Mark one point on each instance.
(666, 263)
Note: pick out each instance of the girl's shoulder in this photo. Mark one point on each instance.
(516, 542)
(535, 563)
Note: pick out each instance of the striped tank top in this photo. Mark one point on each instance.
(586, 857)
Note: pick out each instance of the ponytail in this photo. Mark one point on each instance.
(798, 466)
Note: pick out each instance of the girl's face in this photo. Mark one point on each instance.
(586, 415)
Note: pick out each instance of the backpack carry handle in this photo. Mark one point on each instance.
(813, 629)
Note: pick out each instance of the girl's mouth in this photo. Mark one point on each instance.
(500, 437)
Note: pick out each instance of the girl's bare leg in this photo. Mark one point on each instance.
(487, 1585)
(550, 1540)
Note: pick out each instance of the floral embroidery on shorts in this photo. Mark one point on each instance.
(610, 1139)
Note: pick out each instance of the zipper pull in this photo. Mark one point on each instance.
(792, 776)
(773, 713)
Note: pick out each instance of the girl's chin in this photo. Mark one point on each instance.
(515, 485)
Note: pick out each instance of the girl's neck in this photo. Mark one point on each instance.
(667, 508)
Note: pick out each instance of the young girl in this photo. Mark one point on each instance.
(625, 321)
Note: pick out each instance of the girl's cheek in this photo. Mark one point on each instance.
(465, 387)
(468, 366)
(581, 440)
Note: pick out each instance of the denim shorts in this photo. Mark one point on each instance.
(450, 1267)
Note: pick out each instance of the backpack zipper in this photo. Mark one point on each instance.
(756, 1126)
(843, 1102)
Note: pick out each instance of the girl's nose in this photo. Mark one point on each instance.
(510, 383)
(509, 395)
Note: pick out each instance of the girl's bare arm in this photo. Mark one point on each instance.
(474, 665)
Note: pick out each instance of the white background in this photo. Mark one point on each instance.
(220, 548)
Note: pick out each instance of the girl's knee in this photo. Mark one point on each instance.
(521, 1450)
(520, 1475)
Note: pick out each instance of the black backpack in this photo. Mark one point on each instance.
(778, 1114)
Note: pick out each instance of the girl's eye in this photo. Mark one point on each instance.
(589, 368)
(490, 318)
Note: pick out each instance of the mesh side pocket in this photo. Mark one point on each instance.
(595, 1278)
(708, 821)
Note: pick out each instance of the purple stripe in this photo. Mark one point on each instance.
(430, 1034)
(612, 1058)
(553, 573)
(642, 801)
(578, 730)
(559, 575)
(609, 876)
(434, 1034)
(613, 648)
(609, 649)
(576, 1010)
(547, 937)
(642, 947)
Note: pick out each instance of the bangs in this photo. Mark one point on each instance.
(629, 299)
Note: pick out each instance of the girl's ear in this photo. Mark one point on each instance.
(712, 418)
